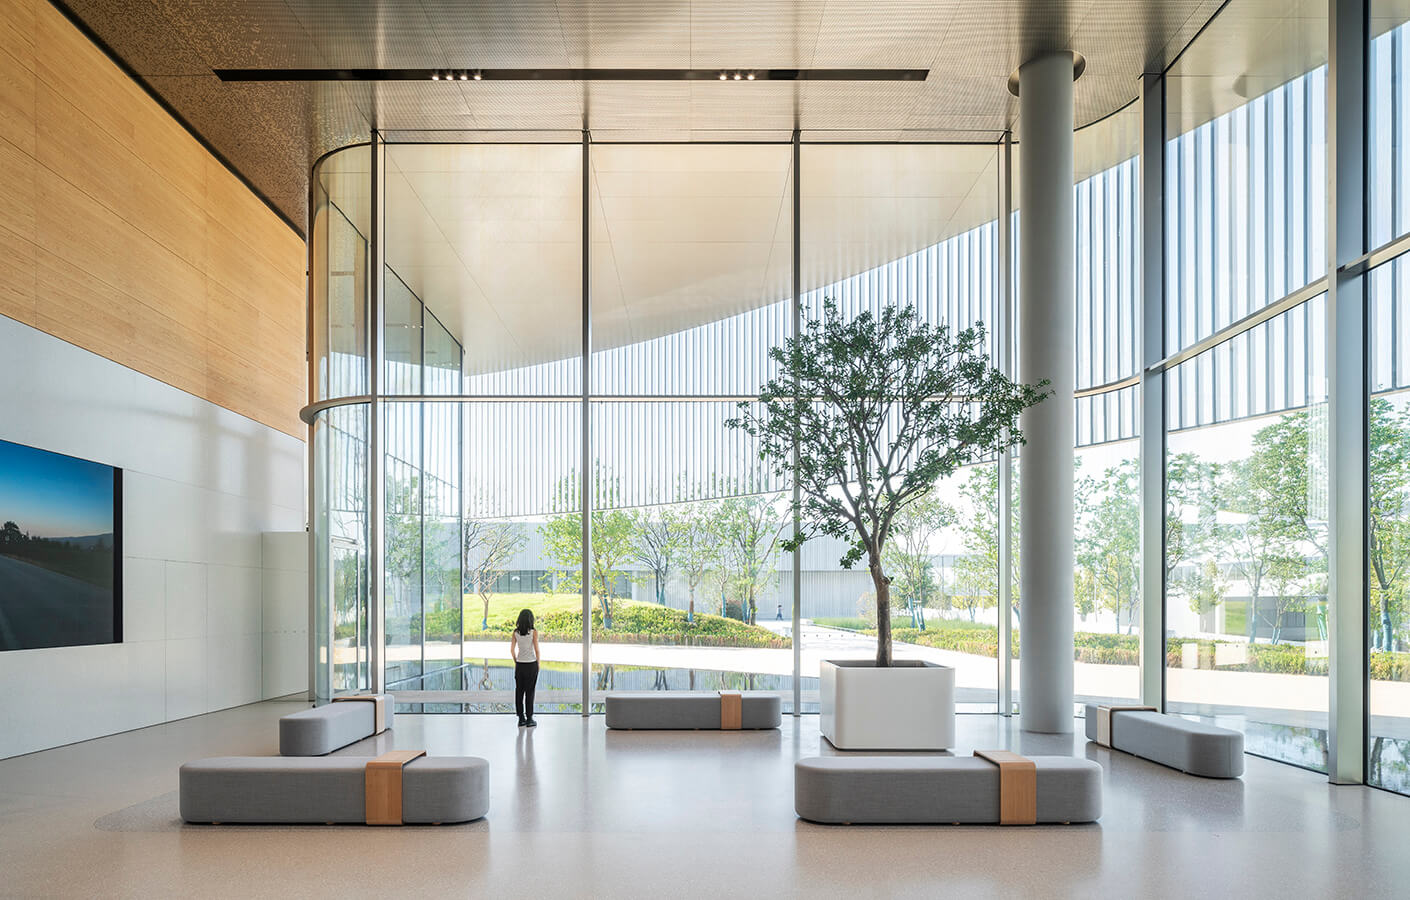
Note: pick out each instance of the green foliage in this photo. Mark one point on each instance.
(1389, 507)
(1109, 542)
(865, 415)
(697, 548)
(648, 623)
(748, 528)
(976, 584)
(909, 554)
(613, 533)
(859, 624)
(656, 544)
(487, 549)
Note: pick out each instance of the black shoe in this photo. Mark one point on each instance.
(523, 722)
(531, 723)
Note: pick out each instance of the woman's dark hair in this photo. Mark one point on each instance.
(526, 621)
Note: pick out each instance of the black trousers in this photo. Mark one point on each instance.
(526, 677)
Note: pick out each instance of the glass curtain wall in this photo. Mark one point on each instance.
(339, 473)
(1106, 490)
(1246, 519)
(1388, 415)
(913, 226)
(691, 273)
(691, 276)
(482, 298)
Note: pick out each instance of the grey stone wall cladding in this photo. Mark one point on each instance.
(685, 710)
(323, 729)
(1196, 748)
(294, 790)
(914, 790)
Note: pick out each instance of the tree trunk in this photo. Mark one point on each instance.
(1386, 632)
(690, 614)
(1252, 623)
(485, 620)
(883, 613)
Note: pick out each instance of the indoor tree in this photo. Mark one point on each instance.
(865, 415)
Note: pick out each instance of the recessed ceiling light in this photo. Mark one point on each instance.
(737, 76)
(464, 77)
(477, 75)
(435, 76)
(749, 77)
(723, 76)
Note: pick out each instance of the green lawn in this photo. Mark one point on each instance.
(507, 606)
(1236, 617)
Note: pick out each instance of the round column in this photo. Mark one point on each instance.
(1046, 314)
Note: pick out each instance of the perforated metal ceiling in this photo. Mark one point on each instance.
(272, 132)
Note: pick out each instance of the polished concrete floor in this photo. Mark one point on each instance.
(577, 811)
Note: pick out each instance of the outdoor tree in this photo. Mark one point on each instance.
(1205, 587)
(1268, 492)
(697, 549)
(610, 547)
(1109, 543)
(403, 545)
(1389, 507)
(909, 555)
(1287, 577)
(1190, 516)
(656, 544)
(750, 529)
(866, 415)
(976, 577)
(488, 548)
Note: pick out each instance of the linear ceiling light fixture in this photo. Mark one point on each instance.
(572, 74)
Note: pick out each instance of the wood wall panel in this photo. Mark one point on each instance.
(120, 233)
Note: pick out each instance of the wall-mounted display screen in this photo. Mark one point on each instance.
(60, 550)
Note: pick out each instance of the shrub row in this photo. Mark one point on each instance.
(641, 623)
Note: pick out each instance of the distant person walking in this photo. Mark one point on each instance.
(780, 612)
(524, 650)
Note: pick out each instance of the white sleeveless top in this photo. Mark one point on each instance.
(524, 644)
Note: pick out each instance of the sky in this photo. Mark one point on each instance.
(49, 495)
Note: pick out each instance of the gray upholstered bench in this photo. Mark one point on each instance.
(957, 790)
(726, 710)
(323, 729)
(292, 790)
(1193, 747)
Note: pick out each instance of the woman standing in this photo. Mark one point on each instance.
(524, 650)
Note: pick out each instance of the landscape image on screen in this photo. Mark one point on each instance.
(58, 550)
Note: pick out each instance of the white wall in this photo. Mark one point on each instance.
(201, 485)
(285, 614)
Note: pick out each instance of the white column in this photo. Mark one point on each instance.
(1046, 346)
(1346, 370)
(1152, 441)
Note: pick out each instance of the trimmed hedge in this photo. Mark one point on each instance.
(1089, 647)
(645, 623)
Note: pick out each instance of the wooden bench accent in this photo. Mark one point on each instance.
(1104, 720)
(1018, 786)
(379, 708)
(731, 711)
(383, 786)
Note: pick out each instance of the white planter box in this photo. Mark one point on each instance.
(909, 706)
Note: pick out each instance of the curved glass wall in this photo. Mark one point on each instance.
(339, 473)
(458, 490)
(691, 273)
